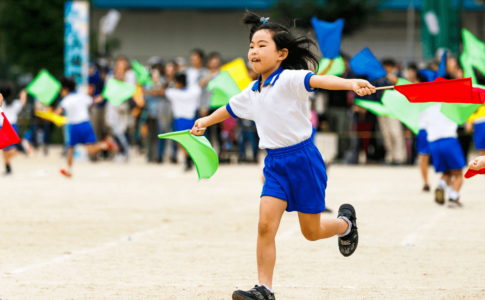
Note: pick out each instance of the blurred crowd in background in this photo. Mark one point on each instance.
(362, 136)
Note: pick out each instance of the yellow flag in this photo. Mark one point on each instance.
(50, 116)
(480, 113)
(237, 70)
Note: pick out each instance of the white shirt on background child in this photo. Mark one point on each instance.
(76, 106)
(12, 111)
(437, 125)
(184, 101)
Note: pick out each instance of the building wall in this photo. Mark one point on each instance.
(171, 33)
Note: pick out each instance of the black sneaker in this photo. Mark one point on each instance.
(348, 244)
(439, 195)
(256, 293)
(454, 203)
(426, 188)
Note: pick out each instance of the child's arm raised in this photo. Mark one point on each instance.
(330, 82)
(201, 124)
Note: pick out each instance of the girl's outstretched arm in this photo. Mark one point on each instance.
(330, 82)
(201, 124)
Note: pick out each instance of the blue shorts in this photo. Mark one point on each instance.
(447, 155)
(184, 124)
(81, 133)
(15, 127)
(422, 143)
(479, 136)
(296, 174)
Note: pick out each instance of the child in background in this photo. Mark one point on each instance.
(448, 157)
(184, 102)
(76, 107)
(11, 109)
(295, 172)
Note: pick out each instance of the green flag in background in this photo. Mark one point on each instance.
(117, 92)
(374, 107)
(337, 68)
(458, 113)
(473, 55)
(141, 73)
(440, 26)
(224, 88)
(44, 87)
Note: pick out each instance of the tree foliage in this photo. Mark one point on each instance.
(32, 34)
(355, 12)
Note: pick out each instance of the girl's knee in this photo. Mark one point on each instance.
(310, 235)
(266, 228)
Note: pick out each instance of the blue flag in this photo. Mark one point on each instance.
(329, 36)
(432, 75)
(365, 63)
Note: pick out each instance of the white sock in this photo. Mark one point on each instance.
(454, 195)
(348, 229)
(449, 190)
(442, 183)
(270, 290)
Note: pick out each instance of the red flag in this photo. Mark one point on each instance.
(8, 136)
(481, 93)
(470, 173)
(441, 90)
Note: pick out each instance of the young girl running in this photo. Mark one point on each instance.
(294, 169)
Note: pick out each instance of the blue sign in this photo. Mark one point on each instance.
(76, 42)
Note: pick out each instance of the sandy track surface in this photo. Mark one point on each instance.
(140, 231)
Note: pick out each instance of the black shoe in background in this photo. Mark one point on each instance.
(439, 195)
(426, 188)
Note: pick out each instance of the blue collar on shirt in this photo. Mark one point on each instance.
(270, 80)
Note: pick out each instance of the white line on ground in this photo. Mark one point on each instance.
(410, 239)
(60, 259)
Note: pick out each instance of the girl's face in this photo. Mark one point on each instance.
(263, 54)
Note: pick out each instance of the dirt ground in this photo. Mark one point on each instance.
(146, 231)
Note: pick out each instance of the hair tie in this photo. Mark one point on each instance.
(264, 20)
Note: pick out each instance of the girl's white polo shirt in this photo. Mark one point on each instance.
(280, 111)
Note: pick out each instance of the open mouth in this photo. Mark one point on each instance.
(255, 60)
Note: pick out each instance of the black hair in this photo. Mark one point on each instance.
(421, 77)
(214, 54)
(300, 57)
(181, 78)
(7, 89)
(389, 62)
(413, 66)
(199, 52)
(68, 83)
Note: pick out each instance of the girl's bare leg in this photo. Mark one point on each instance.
(270, 212)
(423, 165)
(315, 228)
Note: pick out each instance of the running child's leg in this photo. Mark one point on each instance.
(270, 212)
(7, 156)
(454, 190)
(314, 228)
(423, 165)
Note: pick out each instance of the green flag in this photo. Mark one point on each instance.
(473, 55)
(44, 87)
(142, 75)
(458, 113)
(337, 68)
(117, 92)
(440, 26)
(374, 107)
(224, 88)
(199, 148)
(401, 108)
